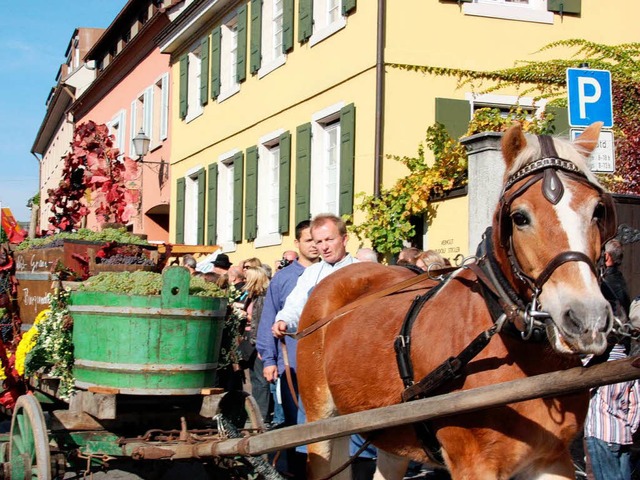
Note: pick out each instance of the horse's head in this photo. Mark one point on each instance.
(549, 228)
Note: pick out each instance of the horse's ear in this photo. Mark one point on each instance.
(513, 142)
(589, 138)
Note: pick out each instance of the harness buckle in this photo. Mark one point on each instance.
(533, 317)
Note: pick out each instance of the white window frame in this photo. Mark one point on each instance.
(268, 194)
(194, 108)
(224, 214)
(117, 126)
(319, 122)
(191, 187)
(272, 56)
(229, 84)
(323, 27)
(162, 84)
(534, 11)
(504, 102)
(145, 98)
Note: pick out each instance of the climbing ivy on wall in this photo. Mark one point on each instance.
(387, 217)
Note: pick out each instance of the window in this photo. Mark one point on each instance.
(190, 72)
(141, 118)
(325, 161)
(229, 59)
(160, 123)
(117, 129)
(224, 216)
(327, 19)
(272, 36)
(194, 189)
(505, 103)
(268, 191)
(525, 10)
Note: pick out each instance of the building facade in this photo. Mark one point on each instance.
(55, 134)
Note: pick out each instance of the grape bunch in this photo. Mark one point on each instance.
(120, 259)
(140, 282)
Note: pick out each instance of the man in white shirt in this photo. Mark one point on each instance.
(329, 233)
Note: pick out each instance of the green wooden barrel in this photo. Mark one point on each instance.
(164, 344)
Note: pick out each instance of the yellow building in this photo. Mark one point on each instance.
(287, 108)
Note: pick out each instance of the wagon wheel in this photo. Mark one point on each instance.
(29, 455)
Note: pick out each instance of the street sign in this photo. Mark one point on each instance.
(590, 99)
(602, 159)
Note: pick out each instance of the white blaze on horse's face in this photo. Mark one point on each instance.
(581, 317)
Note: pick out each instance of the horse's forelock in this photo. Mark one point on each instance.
(574, 152)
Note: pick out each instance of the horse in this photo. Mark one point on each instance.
(533, 286)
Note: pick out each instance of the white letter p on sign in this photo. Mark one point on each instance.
(582, 95)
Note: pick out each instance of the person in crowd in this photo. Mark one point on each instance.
(329, 233)
(277, 371)
(614, 285)
(268, 270)
(408, 256)
(430, 259)
(236, 277)
(189, 261)
(221, 264)
(367, 255)
(614, 410)
(255, 288)
(288, 257)
(251, 262)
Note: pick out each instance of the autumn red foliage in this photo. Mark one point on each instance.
(93, 178)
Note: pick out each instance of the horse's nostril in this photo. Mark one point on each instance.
(573, 323)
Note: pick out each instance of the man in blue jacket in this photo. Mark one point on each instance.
(269, 347)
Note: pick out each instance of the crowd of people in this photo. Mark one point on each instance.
(269, 301)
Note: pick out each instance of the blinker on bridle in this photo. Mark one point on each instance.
(545, 169)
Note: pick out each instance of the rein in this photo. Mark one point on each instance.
(397, 287)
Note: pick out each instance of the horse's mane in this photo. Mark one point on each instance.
(575, 152)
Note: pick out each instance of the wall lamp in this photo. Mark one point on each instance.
(141, 144)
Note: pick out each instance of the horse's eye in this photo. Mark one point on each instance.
(599, 212)
(520, 219)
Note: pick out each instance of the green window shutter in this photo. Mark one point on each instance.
(347, 158)
(212, 204)
(560, 121)
(241, 60)
(204, 73)
(455, 115)
(238, 160)
(216, 42)
(180, 188)
(255, 58)
(184, 85)
(303, 172)
(251, 198)
(284, 182)
(305, 20)
(200, 215)
(564, 6)
(348, 6)
(287, 26)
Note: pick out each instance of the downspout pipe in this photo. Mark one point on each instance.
(379, 133)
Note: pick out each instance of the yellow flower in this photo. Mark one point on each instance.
(28, 341)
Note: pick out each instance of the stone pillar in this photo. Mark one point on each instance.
(485, 170)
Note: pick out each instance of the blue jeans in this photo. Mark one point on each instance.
(609, 461)
(278, 412)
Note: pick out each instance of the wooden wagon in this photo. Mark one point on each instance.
(145, 394)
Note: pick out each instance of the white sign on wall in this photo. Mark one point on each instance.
(602, 159)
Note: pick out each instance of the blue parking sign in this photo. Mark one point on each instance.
(590, 97)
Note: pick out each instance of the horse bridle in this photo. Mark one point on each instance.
(545, 170)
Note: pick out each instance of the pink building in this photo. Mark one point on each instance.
(131, 95)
